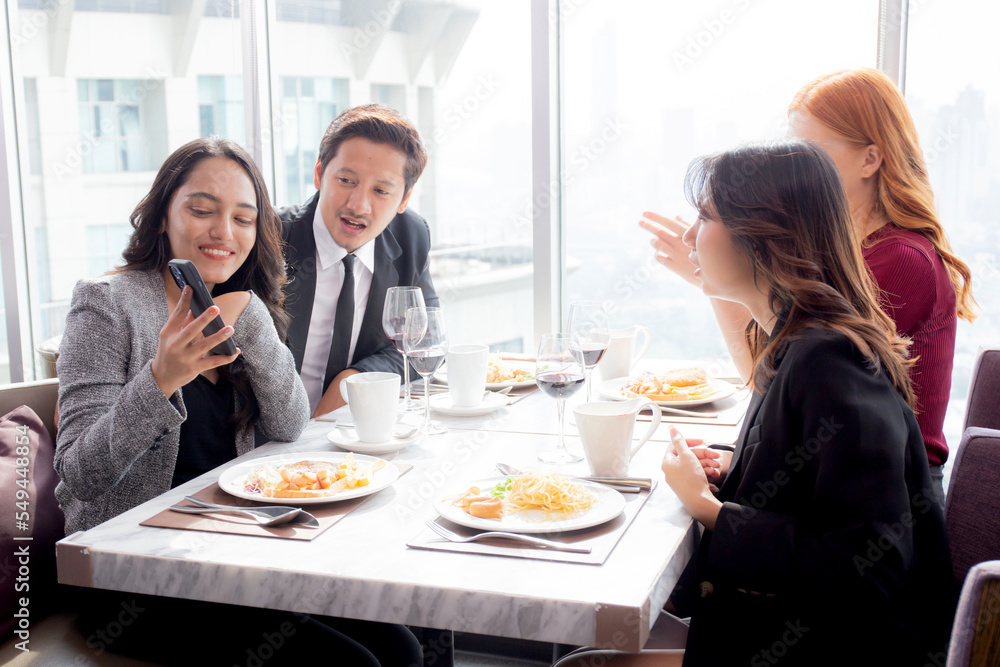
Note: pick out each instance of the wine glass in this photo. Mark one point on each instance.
(559, 373)
(588, 322)
(425, 341)
(398, 300)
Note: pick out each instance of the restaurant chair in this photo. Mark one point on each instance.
(40, 396)
(975, 635)
(983, 408)
(53, 637)
(971, 519)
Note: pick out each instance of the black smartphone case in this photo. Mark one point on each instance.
(186, 273)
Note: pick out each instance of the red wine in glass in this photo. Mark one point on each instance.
(560, 385)
(426, 361)
(588, 323)
(592, 353)
(559, 373)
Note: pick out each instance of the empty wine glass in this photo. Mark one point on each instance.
(588, 322)
(559, 373)
(398, 300)
(425, 341)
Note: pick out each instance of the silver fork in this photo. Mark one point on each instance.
(527, 539)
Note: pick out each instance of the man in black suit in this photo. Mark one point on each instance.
(348, 244)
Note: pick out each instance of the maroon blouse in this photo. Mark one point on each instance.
(917, 293)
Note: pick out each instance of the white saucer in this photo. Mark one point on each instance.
(442, 403)
(347, 438)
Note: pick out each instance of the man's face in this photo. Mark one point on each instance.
(361, 191)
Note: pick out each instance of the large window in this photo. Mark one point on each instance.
(111, 124)
(220, 107)
(108, 89)
(307, 106)
(643, 98)
(462, 74)
(954, 95)
(105, 244)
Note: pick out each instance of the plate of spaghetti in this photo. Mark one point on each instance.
(680, 387)
(532, 502)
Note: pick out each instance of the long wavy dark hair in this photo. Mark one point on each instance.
(784, 205)
(262, 272)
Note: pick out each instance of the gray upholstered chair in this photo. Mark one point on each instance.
(975, 636)
(983, 409)
(41, 396)
(54, 638)
(971, 515)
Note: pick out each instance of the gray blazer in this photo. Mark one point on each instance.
(118, 435)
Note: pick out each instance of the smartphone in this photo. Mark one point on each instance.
(186, 273)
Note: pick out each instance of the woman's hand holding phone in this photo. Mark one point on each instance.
(184, 352)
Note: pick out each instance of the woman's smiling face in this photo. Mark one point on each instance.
(212, 219)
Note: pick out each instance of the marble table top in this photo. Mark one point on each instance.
(361, 568)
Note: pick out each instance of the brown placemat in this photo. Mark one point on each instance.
(601, 539)
(729, 411)
(326, 513)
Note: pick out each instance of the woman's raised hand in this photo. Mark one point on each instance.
(669, 243)
(184, 351)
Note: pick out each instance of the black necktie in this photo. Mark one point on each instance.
(343, 325)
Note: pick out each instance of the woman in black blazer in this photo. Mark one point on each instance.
(823, 544)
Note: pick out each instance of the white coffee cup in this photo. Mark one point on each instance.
(623, 352)
(467, 374)
(606, 429)
(372, 398)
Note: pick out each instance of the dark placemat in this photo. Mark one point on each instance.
(326, 513)
(601, 539)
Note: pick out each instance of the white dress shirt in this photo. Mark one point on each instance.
(329, 280)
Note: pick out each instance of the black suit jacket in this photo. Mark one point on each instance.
(830, 547)
(400, 259)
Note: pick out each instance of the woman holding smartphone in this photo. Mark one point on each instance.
(823, 545)
(144, 403)
(861, 119)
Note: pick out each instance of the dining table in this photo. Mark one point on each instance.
(366, 567)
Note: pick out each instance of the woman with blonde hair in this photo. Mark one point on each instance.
(860, 118)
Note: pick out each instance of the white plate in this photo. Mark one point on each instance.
(613, 389)
(231, 480)
(347, 438)
(442, 403)
(442, 376)
(609, 504)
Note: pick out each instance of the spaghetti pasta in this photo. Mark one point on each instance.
(550, 492)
